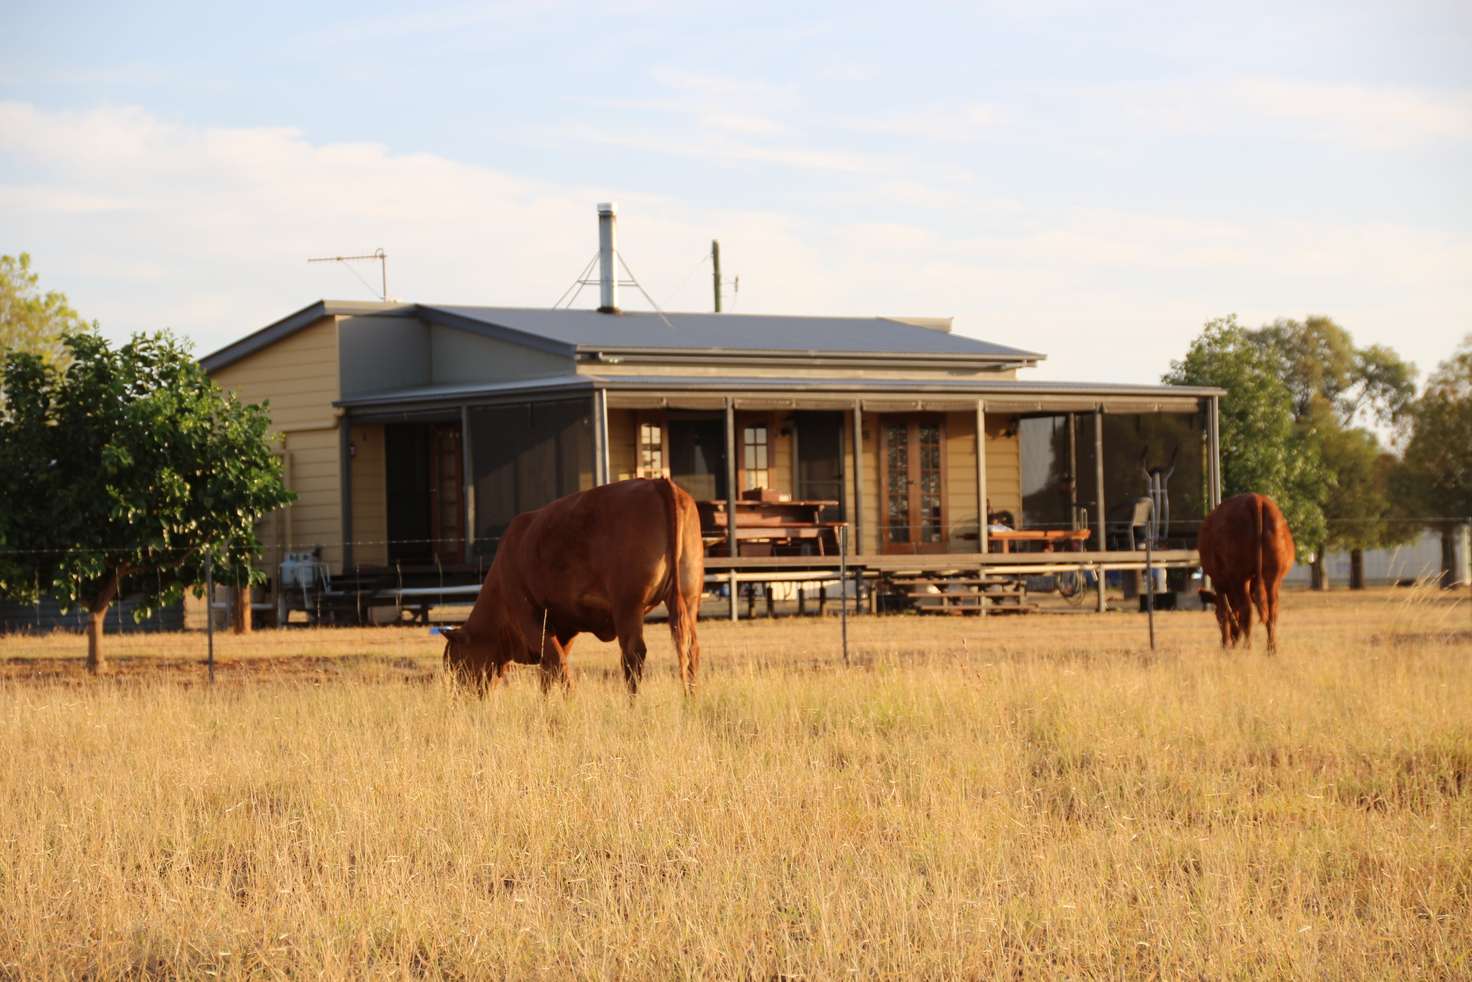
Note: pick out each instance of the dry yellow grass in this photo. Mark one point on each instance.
(969, 799)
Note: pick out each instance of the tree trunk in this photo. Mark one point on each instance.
(1356, 569)
(242, 610)
(1448, 556)
(96, 613)
(1318, 575)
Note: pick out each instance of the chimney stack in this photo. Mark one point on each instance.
(607, 264)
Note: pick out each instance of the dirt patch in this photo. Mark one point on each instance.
(194, 671)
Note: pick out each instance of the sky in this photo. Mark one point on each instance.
(1090, 180)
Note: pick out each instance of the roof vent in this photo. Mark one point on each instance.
(607, 253)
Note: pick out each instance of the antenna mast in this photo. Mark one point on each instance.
(378, 256)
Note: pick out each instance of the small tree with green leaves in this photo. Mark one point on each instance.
(127, 473)
(1262, 449)
(30, 320)
(1435, 475)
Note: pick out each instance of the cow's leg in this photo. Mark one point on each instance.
(1242, 608)
(492, 674)
(554, 665)
(630, 627)
(1270, 616)
(1223, 609)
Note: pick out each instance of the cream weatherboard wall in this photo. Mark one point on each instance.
(370, 495)
(299, 377)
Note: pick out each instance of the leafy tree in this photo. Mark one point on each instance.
(1262, 448)
(1334, 386)
(32, 321)
(126, 473)
(1360, 511)
(1435, 476)
(1318, 361)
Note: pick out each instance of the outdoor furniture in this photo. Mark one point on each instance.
(769, 528)
(1072, 539)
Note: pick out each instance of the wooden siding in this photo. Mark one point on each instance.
(370, 497)
(869, 507)
(960, 490)
(1003, 465)
(299, 377)
(623, 433)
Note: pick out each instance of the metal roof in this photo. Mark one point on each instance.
(976, 387)
(589, 330)
(718, 336)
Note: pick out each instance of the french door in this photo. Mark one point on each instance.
(912, 483)
(446, 496)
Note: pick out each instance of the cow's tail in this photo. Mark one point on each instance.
(1259, 588)
(682, 628)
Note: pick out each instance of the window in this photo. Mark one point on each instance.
(754, 458)
(651, 450)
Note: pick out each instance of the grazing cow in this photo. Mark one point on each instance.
(595, 561)
(1246, 549)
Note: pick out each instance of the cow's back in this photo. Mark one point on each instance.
(592, 551)
(1228, 540)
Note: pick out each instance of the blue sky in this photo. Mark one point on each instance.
(1089, 180)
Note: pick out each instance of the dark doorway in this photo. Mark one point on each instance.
(446, 493)
(698, 455)
(820, 461)
(426, 501)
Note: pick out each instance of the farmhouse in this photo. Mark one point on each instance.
(413, 432)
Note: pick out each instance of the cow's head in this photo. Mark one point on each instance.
(468, 659)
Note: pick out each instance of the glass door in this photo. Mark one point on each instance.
(912, 481)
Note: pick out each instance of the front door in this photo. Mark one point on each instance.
(912, 482)
(446, 493)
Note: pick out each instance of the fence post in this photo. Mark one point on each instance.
(1150, 589)
(843, 587)
(209, 614)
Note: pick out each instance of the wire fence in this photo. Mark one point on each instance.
(416, 580)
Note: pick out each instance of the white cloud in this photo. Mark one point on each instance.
(938, 124)
(1376, 117)
(145, 223)
(1366, 117)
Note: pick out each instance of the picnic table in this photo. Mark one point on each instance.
(1072, 539)
(768, 528)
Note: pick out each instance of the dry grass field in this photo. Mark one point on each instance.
(1028, 796)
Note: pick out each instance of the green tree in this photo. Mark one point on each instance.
(125, 473)
(1435, 475)
(1335, 386)
(30, 320)
(1318, 361)
(1262, 448)
(1360, 510)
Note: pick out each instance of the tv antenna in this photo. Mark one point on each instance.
(378, 256)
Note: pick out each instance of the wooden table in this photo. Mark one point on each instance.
(1074, 538)
(766, 526)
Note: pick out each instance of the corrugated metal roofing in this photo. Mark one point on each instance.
(797, 386)
(589, 329)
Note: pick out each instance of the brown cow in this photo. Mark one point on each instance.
(1246, 549)
(595, 561)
